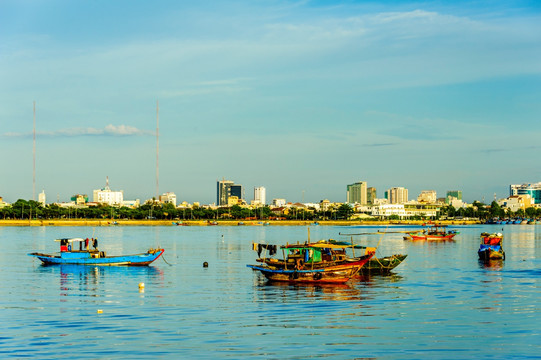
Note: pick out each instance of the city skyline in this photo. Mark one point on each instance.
(302, 98)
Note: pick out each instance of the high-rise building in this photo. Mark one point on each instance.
(534, 190)
(225, 189)
(223, 192)
(42, 198)
(260, 196)
(398, 195)
(371, 195)
(356, 193)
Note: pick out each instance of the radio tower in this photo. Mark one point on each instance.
(157, 150)
(34, 154)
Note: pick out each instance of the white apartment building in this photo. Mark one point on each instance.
(278, 202)
(169, 198)
(260, 195)
(42, 198)
(398, 195)
(107, 196)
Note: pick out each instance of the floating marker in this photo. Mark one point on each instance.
(141, 285)
(205, 264)
(100, 311)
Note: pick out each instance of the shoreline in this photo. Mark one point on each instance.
(95, 222)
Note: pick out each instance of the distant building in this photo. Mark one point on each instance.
(427, 196)
(278, 202)
(107, 196)
(168, 198)
(225, 189)
(2, 203)
(79, 199)
(397, 195)
(371, 195)
(260, 196)
(453, 195)
(42, 198)
(356, 193)
(516, 202)
(533, 190)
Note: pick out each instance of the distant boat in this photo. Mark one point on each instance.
(491, 247)
(434, 232)
(84, 256)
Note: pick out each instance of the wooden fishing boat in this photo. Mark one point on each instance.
(376, 265)
(434, 232)
(310, 263)
(86, 256)
(491, 247)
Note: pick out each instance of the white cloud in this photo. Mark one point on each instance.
(109, 130)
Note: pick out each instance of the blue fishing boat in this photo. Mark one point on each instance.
(85, 256)
(491, 247)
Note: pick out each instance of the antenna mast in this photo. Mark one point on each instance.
(157, 149)
(34, 154)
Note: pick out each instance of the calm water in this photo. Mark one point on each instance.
(440, 303)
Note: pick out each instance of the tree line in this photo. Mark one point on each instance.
(30, 209)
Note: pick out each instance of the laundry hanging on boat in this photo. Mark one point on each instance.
(271, 248)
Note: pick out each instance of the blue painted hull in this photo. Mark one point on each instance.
(86, 258)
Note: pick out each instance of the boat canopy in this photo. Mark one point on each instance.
(70, 240)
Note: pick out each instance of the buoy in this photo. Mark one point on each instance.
(141, 285)
(205, 264)
(100, 311)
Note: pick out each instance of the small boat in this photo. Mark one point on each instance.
(212, 223)
(491, 247)
(434, 232)
(179, 223)
(86, 256)
(310, 263)
(376, 265)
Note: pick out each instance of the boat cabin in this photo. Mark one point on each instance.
(79, 248)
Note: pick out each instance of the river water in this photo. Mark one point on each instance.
(441, 303)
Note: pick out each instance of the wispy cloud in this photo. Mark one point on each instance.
(109, 130)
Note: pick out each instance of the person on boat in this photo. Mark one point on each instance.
(95, 243)
(86, 243)
(63, 245)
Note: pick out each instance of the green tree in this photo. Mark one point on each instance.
(345, 211)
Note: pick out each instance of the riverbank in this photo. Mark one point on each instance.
(93, 222)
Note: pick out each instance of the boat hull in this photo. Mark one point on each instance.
(489, 252)
(381, 265)
(337, 274)
(123, 260)
(432, 237)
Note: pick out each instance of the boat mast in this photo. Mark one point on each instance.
(157, 149)
(34, 155)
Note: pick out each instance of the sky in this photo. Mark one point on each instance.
(301, 97)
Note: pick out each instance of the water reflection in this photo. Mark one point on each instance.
(492, 264)
(274, 290)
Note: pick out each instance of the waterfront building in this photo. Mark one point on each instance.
(279, 202)
(356, 193)
(533, 190)
(386, 210)
(398, 195)
(516, 202)
(2, 203)
(107, 196)
(169, 198)
(236, 190)
(42, 198)
(427, 196)
(260, 196)
(371, 195)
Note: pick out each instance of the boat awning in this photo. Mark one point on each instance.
(70, 240)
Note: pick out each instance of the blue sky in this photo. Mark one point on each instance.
(302, 97)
